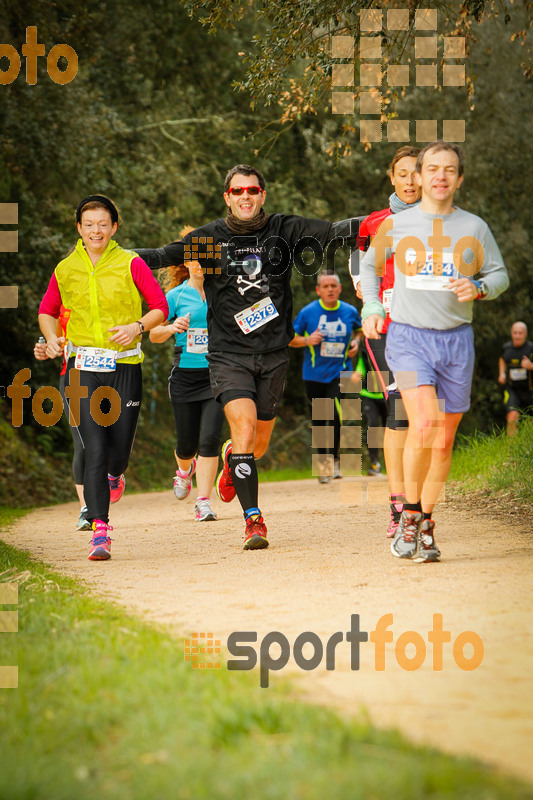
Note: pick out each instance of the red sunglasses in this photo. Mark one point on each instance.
(241, 189)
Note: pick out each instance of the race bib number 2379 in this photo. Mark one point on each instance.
(254, 317)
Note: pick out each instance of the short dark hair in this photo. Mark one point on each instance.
(324, 273)
(98, 201)
(244, 169)
(440, 145)
(407, 151)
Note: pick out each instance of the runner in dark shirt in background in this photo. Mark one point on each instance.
(516, 375)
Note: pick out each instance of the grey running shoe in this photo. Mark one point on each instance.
(337, 468)
(182, 481)
(427, 550)
(374, 469)
(405, 542)
(203, 511)
(83, 522)
(325, 468)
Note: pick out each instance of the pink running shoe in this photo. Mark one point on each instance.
(182, 481)
(100, 543)
(116, 487)
(395, 514)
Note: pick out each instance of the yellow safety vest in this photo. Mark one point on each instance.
(99, 296)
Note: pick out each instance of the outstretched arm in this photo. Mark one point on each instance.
(167, 256)
(348, 230)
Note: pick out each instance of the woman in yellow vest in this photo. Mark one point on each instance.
(102, 285)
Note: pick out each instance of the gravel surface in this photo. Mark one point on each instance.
(329, 559)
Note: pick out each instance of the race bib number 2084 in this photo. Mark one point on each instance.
(432, 277)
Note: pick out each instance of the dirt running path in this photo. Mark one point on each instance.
(329, 559)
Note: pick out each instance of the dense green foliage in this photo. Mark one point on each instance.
(152, 120)
(299, 34)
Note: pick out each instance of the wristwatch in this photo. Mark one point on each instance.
(141, 326)
(482, 290)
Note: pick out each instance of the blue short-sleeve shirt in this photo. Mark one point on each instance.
(185, 299)
(325, 362)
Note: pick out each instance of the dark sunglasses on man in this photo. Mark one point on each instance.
(240, 189)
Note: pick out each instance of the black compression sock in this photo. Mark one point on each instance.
(412, 507)
(427, 515)
(245, 480)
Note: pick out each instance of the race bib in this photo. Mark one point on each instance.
(95, 359)
(256, 316)
(518, 374)
(387, 300)
(332, 349)
(197, 340)
(432, 277)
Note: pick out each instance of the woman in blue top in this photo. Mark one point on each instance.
(198, 416)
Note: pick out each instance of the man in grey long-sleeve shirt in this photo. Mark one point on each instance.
(445, 258)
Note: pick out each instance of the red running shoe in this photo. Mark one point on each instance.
(224, 483)
(100, 543)
(255, 535)
(116, 487)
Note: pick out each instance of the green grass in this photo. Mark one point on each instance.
(284, 474)
(496, 464)
(106, 707)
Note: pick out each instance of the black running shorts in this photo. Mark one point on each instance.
(258, 376)
(396, 415)
(518, 400)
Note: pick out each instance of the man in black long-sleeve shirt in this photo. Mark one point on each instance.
(247, 259)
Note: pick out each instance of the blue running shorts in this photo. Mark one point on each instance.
(444, 359)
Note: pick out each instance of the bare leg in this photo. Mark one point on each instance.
(393, 447)
(79, 490)
(206, 471)
(242, 417)
(183, 463)
(441, 459)
(512, 422)
(262, 439)
(426, 422)
(248, 434)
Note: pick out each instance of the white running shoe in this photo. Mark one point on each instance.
(83, 522)
(182, 481)
(203, 511)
